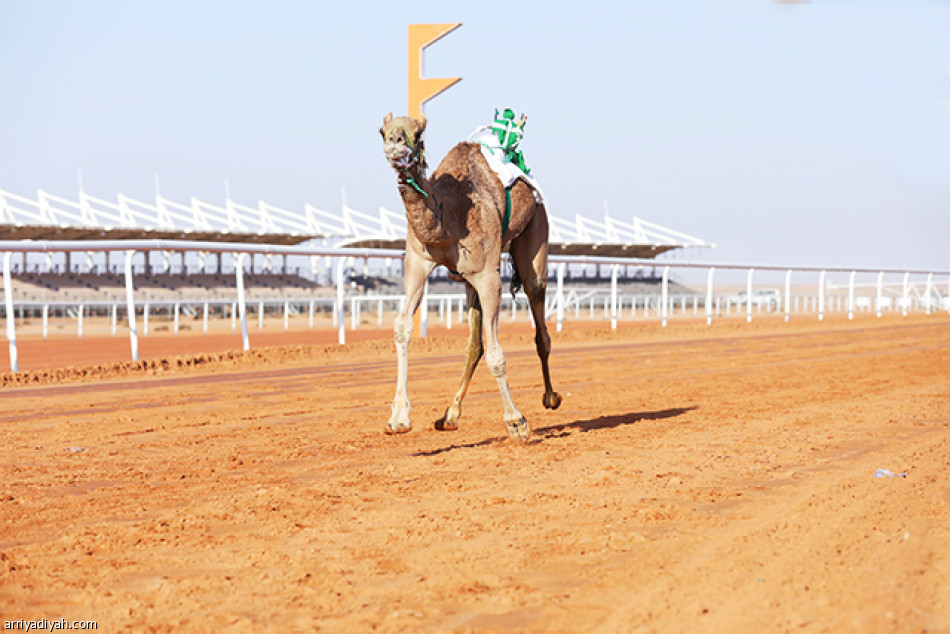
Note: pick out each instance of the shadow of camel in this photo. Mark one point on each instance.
(609, 422)
(551, 432)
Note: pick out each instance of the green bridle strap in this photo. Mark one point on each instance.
(414, 184)
(507, 217)
(408, 136)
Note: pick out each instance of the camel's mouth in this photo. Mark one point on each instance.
(398, 155)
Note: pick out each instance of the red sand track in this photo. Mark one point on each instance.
(696, 478)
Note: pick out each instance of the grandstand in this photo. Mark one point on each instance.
(50, 217)
(37, 287)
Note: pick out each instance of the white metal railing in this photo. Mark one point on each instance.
(929, 300)
(346, 225)
(586, 303)
(69, 214)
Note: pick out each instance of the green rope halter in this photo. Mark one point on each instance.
(414, 184)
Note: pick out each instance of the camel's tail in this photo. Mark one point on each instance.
(515, 278)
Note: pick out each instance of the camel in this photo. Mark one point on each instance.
(456, 220)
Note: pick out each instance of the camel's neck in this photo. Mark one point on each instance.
(423, 209)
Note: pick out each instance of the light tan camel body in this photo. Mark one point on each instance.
(455, 219)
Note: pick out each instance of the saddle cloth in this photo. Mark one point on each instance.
(507, 171)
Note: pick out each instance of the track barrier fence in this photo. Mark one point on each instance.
(902, 292)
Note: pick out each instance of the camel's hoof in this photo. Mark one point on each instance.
(398, 428)
(551, 400)
(449, 420)
(443, 424)
(519, 429)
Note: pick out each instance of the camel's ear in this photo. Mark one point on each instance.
(387, 118)
(422, 123)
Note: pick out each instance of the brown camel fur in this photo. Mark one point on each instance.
(455, 219)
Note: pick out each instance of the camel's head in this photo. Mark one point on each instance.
(403, 144)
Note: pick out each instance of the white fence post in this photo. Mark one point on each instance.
(115, 317)
(905, 297)
(664, 296)
(177, 310)
(709, 295)
(614, 271)
(45, 321)
(11, 317)
(788, 295)
(929, 292)
(880, 293)
(242, 306)
(748, 297)
(204, 325)
(79, 323)
(821, 296)
(560, 295)
(341, 326)
(851, 296)
(130, 305)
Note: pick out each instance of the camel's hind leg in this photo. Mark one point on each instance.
(449, 420)
(530, 254)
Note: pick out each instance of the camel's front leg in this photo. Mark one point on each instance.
(489, 292)
(473, 354)
(416, 272)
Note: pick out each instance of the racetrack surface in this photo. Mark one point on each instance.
(694, 479)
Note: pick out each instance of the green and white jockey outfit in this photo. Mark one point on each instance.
(510, 133)
(499, 144)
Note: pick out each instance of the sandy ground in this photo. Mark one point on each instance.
(712, 479)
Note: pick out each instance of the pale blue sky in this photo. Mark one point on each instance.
(790, 134)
